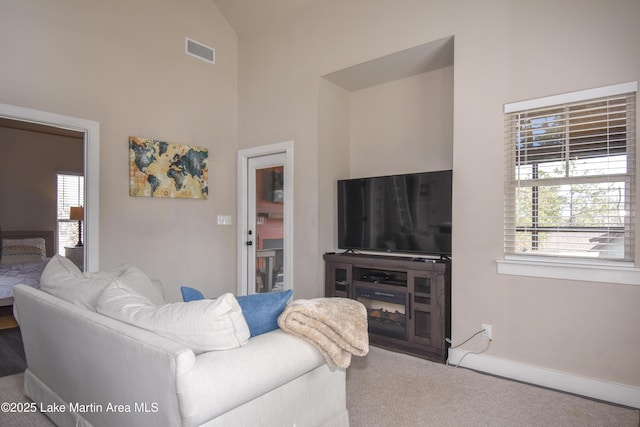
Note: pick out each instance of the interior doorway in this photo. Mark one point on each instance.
(91, 131)
(265, 219)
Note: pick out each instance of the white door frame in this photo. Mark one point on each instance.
(91, 132)
(243, 160)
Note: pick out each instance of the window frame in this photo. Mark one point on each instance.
(80, 195)
(557, 267)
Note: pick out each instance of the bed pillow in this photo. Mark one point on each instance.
(18, 251)
(38, 242)
(204, 325)
(20, 254)
(261, 311)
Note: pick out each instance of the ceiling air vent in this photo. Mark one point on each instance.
(200, 51)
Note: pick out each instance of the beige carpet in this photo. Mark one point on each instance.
(392, 389)
(11, 393)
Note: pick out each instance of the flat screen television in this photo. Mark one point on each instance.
(408, 213)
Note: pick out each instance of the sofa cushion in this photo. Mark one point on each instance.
(267, 362)
(62, 278)
(203, 326)
(135, 279)
(190, 294)
(261, 311)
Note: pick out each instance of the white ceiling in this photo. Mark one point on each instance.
(247, 15)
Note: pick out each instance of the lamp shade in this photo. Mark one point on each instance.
(77, 213)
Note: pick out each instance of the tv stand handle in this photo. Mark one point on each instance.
(409, 306)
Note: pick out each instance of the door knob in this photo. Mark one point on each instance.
(249, 243)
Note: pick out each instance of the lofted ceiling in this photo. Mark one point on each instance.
(410, 62)
(246, 15)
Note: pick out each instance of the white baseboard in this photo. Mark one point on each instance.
(621, 394)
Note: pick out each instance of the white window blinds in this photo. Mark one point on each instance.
(570, 181)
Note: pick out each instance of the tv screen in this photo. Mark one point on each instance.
(408, 213)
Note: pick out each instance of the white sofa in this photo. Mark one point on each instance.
(85, 368)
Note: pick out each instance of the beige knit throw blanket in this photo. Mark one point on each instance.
(337, 327)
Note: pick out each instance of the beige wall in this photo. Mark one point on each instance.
(403, 126)
(394, 127)
(123, 64)
(31, 161)
(334, 122)
(501, 55)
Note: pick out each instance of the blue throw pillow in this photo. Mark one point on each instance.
(261, 311)
(190, 294)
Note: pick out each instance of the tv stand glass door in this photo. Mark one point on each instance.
(424, 308)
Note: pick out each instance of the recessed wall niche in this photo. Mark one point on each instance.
(389, 115)
(400, 111)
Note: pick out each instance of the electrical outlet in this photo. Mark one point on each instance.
(486, 332)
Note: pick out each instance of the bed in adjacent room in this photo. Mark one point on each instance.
(23, 258)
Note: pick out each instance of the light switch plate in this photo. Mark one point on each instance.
(224, 219)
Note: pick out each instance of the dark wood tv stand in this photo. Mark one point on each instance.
(408, 300)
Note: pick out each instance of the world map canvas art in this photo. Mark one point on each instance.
(164, 169)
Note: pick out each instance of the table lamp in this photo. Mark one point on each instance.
(77, 214)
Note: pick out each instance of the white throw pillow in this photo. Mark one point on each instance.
(135, 279)
(204, 325)
(62, 278)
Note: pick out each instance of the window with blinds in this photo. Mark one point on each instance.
(70, 194)
(570, 181)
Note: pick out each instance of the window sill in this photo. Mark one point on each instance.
(624, 273)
